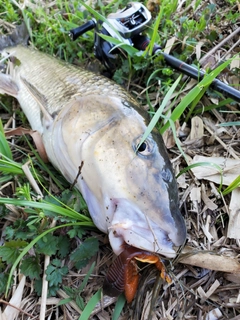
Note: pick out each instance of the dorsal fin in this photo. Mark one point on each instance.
(40, 99)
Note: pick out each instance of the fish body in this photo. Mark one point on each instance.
(92, 125)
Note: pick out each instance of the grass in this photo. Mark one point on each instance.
(30, 232)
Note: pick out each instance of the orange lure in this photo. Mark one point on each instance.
(123, 274)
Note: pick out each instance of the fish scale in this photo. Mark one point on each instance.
(63, 84)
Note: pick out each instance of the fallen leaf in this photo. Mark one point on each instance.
(231, 170)
(169, 45)
(208, 202)
(209, 260)
(234, 215)
(230, 167)
(10, 312)
(214, 314)
(36, 138)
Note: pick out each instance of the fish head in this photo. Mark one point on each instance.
(146, 213)
(147, 216)
(130, 190)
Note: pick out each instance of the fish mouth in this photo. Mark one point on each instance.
(129, 225)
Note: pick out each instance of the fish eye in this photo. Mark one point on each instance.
(142, 147)
(146, 148)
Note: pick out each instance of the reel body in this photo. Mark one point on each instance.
(123, 25)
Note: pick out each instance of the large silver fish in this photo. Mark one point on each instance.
(88, 121)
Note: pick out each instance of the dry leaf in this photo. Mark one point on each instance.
(196, 134)
(2, 316)
(168, 137)
(12, 313)
(208, 202)
(209, 260)
(36, 138)
(233, 277)
(31, 179)
(234, 215)
(198, 49)
(235, 63)
(205, 295)
(195, 194)
(196, 128)
(169, 45)
(214, 314)
(181, 180)
(231, 169)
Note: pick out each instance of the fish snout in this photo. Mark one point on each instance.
(133, 227)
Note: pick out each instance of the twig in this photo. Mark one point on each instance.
(236, 44)
(31, 179)
(78, 174)
(13, 306)
(219, 45)
(226, 147)
(45, 283)
(44, 289)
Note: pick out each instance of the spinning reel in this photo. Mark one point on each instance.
(128, 25)
(125, 25)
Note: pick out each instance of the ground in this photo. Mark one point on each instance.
(206, 274)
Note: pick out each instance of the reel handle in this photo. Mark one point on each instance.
(77, 32)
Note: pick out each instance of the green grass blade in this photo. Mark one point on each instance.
(158, 114)
(5, 179)
(100, 17)
(85, 280)
(118, 43)
(176, 139)
(96, 14)
(1, 126)
(204, 164)
(155, 30)
(119, 306)
(200, 164)
(233, 185)
(10, 169)
(43, 205)
(189, 98)
(194, 103)
(229, 124)
(4, 146)
(148, 84)
(9, 166)
(91, 305)
(178, 111)
(222, 103)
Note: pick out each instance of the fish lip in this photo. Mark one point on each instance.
(144, 235)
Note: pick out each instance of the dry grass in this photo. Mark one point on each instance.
(206, 275)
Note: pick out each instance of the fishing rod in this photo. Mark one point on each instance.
(128, 25)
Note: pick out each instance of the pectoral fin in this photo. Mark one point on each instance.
(40, 99)
(8, 85)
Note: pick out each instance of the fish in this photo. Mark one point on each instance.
(91, 129)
